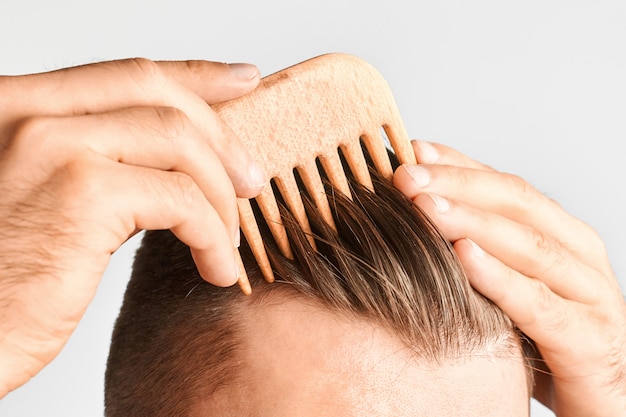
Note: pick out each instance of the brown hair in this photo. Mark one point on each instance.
(176, 339)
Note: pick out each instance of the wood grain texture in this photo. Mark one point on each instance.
(305, 112)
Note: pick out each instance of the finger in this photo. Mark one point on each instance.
(150, 199)
(109, 85)
(536, 310)
(505, 195)
(163, 138)
(436, 153)
(518, 246)
(560, 328)
(487, 190)
(160, 138)
(113, 85)
(213, 81)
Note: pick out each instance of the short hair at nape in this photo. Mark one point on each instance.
(177, 338)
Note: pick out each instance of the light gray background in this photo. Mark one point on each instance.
(537, 88)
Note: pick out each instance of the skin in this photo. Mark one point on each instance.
(88, 157)
(91, 155)
(304, 360)
(550, 274)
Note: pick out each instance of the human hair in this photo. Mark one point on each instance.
(178, 339)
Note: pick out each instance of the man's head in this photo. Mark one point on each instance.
(380, 320)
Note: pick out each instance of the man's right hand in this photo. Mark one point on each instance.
(89, 156)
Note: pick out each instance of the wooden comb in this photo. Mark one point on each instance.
(305, 113)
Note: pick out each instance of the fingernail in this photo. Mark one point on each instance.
(442, 204)
(419, 174)
(237, 262)
(256, 175)
(244, 71)
(477, 249)
(238, 238)
(428, 153)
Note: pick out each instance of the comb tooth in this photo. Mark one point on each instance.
(334, 170)
(243, 281)
(289, 104)
(251, 231)
(269, 208)
(400, 143)
(315, 187)
(378, 151)
(356, 161)
(290, 192)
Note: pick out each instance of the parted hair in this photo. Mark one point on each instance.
(177, 337)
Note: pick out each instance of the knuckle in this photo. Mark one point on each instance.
(543, 296)
(542, 243)
(595, 243)
(83, 177)
(172, 122)
(197, 68)
(546, 312)
(555, 204)
(463, 178)
(81, 187)
(31, 134)
(551, 253)
(523, 189)
(145, 72)
(187, 192)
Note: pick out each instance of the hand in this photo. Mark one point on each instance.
(88, 157)
(547, 270)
